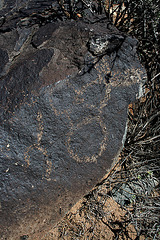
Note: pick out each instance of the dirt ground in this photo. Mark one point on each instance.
(76, 226)
(96, 216)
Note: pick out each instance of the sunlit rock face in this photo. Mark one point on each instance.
(64, 92)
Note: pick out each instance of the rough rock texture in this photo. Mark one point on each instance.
(64, 92)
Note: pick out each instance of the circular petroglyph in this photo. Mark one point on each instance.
(87, 140)
(81, 104)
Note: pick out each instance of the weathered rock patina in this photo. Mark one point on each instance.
(64, 94)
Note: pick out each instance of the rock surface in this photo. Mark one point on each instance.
(64, 92)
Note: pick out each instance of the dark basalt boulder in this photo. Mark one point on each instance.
(64, 94)
(8, 7)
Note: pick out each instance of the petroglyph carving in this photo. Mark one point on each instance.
(64, 100)
(77, 98)
(40, 149)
